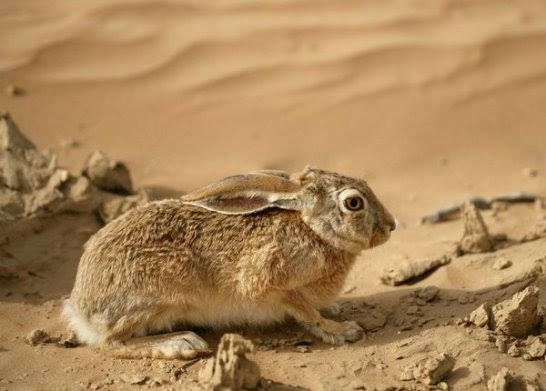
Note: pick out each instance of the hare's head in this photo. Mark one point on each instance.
(343, 211)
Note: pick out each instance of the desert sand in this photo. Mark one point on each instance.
(432, 102)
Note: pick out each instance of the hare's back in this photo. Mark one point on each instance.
(172, 231)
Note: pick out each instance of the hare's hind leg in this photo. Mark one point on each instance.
(127, 337)
(183, 345)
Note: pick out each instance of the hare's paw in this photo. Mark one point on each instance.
(338, 333)
(185, 345)
(181, 345)
(332, 310)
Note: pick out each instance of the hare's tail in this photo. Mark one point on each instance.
(80, 325)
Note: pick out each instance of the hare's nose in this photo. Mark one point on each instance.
(392, 224)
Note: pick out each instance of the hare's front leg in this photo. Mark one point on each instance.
(329, 331)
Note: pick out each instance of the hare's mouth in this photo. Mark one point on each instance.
(378, 238)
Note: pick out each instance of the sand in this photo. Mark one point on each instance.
(433, 102)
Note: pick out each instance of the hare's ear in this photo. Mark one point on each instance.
(279, 173)
(246, 194)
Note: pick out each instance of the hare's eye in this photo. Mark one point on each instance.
(354, 203)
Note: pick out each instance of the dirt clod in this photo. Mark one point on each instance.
(429, 370)
(135, 379)
(529, 172)
(537, 232)
(501, 263)
(514, 351)
(13, 90)
(69, 341)
(303, 349)
(500, 381)
(536, 348)
(231, 369)
(428, 293)
(106, 174)
(31, 184)
(410, 270)
(480, 316)
(476, 237)
(37, 336)
(517, 316)
(115, 206)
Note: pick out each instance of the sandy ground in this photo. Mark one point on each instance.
(431, 101)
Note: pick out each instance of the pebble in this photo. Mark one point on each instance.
(37, 336)
(428, 294)
(514, 351)
(134, 378)
(501, 263)
(13, 90)
(466, 299)
(529, 172)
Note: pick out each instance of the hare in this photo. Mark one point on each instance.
(248, 250)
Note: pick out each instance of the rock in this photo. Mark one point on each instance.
(69, 143)
(501, 263)
(537, 232)
(11, 202)
(11, 138)
(29, 179)
(32, 185)
(501, 343)
(134, 378)
(303, 349)
(428, 294)
(529, 172)
(411, 270)
(517, 316)
(372, 320)
(476, 237)
(480, 316)
(81, 195)
(466, 298)
(536, 348)
(413, 310)
(499, 206)
(505, 380)
(50, 196)
(231, 369)
(113, 207)
(514, 351)
(500, 381)
(108, 175)
(13, 91)
(429, 370)
(349, 289)
(37, 336)
(69, 341)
